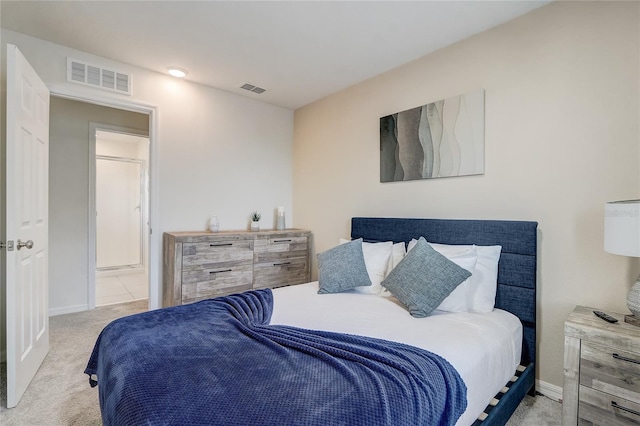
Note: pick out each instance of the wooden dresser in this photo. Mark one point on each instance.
(601, 370)
(202, 265)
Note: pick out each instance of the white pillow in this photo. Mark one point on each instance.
(461, 298)
(484, 280)
(397, 254)
(377, 257)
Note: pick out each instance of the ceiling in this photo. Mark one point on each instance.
(298, 51)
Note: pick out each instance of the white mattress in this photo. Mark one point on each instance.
(483, 348)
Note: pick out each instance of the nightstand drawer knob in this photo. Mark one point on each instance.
(624, 358)
(620, 407)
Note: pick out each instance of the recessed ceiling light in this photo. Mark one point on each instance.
(177, 72)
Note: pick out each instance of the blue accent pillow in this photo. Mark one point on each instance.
(342, 268)
(423, 279)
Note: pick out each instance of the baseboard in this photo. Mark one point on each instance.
(550, 391)
(68, 310)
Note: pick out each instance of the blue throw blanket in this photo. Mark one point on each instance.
(219, 362)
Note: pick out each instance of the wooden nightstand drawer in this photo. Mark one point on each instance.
(602, 409)
(610, 370)
(280, 273)
(601, 370)
(216, 252)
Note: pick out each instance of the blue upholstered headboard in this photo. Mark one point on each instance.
(516, 269)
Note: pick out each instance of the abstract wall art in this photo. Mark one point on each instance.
(440, 139)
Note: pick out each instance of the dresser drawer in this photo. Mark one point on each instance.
(205, 283)
(209, 254)
(610, 370)
(280, 273)
(275, 248)
(602, 409)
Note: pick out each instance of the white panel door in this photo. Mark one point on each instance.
(27, 223)
(119, 212)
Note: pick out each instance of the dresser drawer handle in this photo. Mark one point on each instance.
(282, 241)
(220, 271)
(220, 245)
(628, 410)
(282, 263)
(623, 358)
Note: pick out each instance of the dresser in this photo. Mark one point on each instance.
(601, 370)
(202, 265)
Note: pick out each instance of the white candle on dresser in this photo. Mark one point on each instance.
(280, 222)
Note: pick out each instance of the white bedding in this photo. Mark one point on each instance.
(484, 348)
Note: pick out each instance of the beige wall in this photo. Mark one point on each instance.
(562, 137)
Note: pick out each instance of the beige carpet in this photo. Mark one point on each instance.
(60, 394)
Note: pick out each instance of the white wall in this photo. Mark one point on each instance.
(562, 137)
(215, 152)
(122, 145)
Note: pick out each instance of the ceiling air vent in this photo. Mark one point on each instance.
(91, 75)
(255, 89)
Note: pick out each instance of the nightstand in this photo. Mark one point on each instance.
(601, 370)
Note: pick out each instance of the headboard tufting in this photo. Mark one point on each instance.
(516, 268)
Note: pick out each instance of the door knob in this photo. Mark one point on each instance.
(27, 244)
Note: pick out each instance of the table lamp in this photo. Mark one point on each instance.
(622, 237)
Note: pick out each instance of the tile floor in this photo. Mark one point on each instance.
(121, 288)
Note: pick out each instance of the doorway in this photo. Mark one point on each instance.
(72, 198)
(121, 221)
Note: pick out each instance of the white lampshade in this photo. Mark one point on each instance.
(622, 227)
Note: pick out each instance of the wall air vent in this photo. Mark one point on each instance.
(94, 76)
(250, 87)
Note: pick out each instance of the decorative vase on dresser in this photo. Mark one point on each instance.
(202, 265)
(601, 370)
(255, 221)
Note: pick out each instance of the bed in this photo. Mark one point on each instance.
(244, 359)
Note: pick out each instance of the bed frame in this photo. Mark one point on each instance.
(516, 282)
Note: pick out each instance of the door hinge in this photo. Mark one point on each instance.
(8, 245)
